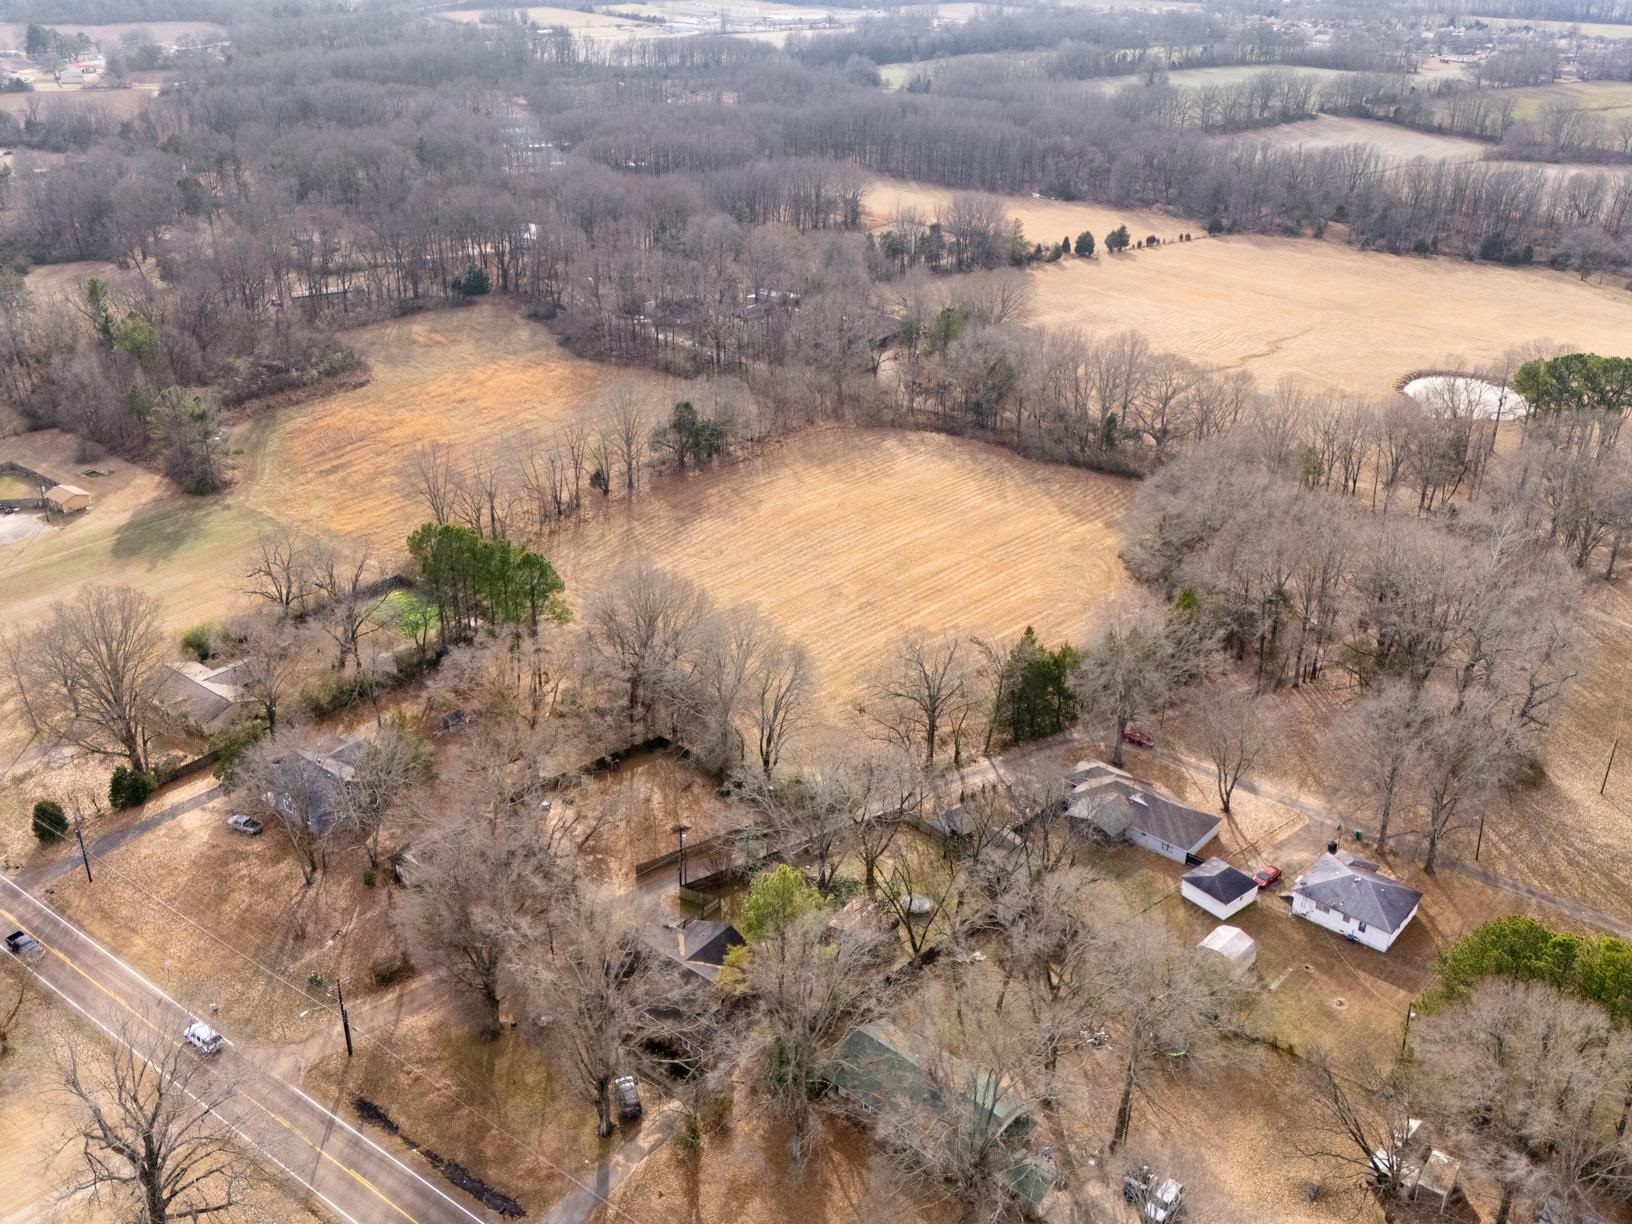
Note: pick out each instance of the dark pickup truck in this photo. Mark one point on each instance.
(21, 943)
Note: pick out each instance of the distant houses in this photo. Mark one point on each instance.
(1351, 896)
(1114, 804)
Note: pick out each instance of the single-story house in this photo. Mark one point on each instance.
(881, 1068)
(208, 698)
(696, 945)
(1238, 950)
(1351, 896)
(1217, 887)
(1115, 804)
(67, 499)
(313, 784)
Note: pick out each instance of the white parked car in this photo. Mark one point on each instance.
(203, 1038)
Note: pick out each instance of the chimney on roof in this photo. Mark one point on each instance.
(1331, 847)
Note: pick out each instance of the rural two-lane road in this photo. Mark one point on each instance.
(345, 1171)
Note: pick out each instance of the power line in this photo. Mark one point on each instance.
(364, 1036)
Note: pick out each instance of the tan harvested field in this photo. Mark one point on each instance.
(1390, 139)
(122, 103)
(1587, 29)
(852, 537)
(1233, 74)
(849, 538)
(107, 36)
(1610, 99)
(183, 551)
(1323, 311)
(467, 378)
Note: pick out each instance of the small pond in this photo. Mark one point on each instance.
(1462, 396)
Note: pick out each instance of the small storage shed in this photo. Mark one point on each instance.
(1238, 950)
(67, 499)
(1220, 889)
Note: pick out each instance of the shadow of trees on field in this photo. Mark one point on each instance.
(158, 534)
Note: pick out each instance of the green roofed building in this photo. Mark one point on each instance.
(882, 1069)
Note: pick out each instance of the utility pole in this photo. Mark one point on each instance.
(681, 830)
(345, 1020)
(84, 855)
(1609, 766)
(1410, 1014)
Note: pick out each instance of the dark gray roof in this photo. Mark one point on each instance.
(708, 942)
(1220, 881)
(1353, 887)
(1118, 804)
(694, 946)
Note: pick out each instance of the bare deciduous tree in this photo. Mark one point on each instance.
(781, 691)
(274, 658)
(814, 983)
(90, 674)
(348, 579)
(433, 476)
(1132, 665)
(927, 695)
(644, 622)
(1234, 728)
(611, 997)
(481, 907)
(149, 1131)
(1166, 1008)
(1535, 1082)
(281, 570)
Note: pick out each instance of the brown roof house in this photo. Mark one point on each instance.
(67, 499)
(208, 698)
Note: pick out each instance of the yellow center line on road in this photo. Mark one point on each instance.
(281, 1121)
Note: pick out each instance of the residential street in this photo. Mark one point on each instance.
(350, 1174)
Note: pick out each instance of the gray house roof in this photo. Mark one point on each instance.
(1116, 804)
(200, 694)
(1356, 889)
(1220, 881)
(697, 946)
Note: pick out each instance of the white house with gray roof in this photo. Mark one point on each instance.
(1220, 889)
(1114, 804)
(1351, 896)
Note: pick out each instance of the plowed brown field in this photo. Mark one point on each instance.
(848, 538)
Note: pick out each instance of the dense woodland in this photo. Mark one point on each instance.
(697, 204)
